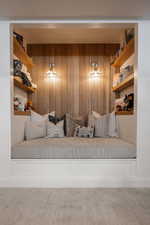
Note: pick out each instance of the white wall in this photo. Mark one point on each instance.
(5, 99)
(77, 172)
(143, 98)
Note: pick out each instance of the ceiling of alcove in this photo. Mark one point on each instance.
(71, 33)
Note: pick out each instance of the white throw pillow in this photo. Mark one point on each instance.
(101, 126)
(113, 125)
(36, 117)
(34, 130)
(96, 115)
(55, 130)
(92, 117)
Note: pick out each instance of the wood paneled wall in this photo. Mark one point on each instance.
(74, 91)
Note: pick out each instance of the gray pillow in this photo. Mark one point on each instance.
(72, 124)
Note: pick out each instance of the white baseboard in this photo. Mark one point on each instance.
(78, 182)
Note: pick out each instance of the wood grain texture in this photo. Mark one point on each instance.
(74, 91)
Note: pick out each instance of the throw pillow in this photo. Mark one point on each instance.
(84, 132)
(35, 130)
(113, 125)
(92, 117)
(55, 130)
(36, 117)
(72, 124)
(101, 126)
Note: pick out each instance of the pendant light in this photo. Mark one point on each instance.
(51, 73)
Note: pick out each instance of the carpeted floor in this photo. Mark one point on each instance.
(74, 206)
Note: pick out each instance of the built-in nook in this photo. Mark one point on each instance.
(80, 75)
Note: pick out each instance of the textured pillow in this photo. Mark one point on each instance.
(72, 124)
(34, 130)
(84, 132)
(55, 130)
(55, 119)
(36, 117)
(101, 126)
(113, 125)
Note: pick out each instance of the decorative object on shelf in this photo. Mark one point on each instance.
(124, 73)
(121, 56)
(18, 83)
(19, 104)
(51, 73)
(19, 52)
(129, 100)
(129, 81)
(125, 103)
(20, 39)
(129, 34)
(95, 73)
(18, 72)
(29, 106)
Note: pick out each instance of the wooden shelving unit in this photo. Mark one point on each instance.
(21, 54)
(121, 113)
(125, 54)
(124, 84)
(23, 87)
(20, 113)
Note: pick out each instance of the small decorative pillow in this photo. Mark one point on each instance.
(84, 132)
(55, 130)
(34, 130)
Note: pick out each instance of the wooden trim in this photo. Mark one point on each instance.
(23, 87)
(20, 113)
(129, 81)
(21, 54)
(120, 113)
(125, 54)
(84, 49)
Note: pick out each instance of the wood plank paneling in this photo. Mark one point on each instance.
(73, 92)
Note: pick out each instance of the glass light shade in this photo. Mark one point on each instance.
(51, 74)
(95, 74)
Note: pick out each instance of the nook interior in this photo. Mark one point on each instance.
(73, 91)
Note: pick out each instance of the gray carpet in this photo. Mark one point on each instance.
(74, 206)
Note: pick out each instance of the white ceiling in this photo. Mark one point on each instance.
(59, 9)
(83, 33)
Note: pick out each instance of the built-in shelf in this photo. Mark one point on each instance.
(125, 54)
(124, 113)
(23, 87)
(124, 84)
(20, 113)
(21, 54)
